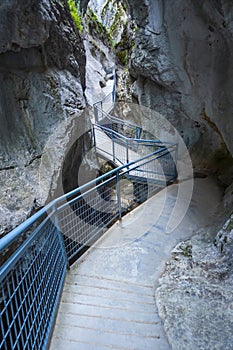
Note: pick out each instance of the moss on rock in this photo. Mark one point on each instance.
(75, 14)
(97, 29)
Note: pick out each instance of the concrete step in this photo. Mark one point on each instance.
(108, 283)
(111, 339)
(108, 302)
(107, 324)
(101, 291)
(114, 313)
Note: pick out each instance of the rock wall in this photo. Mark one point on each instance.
(195, 297)
(100, 63)
(112, 15)
(182, 66)
(42, 72)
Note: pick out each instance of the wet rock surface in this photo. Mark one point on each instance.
(99, 69)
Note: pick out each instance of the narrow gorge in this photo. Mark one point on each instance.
(171, 58)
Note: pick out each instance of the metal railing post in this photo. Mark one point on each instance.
(102, 110)
(96, 114)
(113, 147)
(93, 136)
(118, 188)
(114, 86)
(175, 162)
(127, 151)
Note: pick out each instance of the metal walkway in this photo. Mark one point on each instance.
(120, 142)
(104, 307)
(108, 300)
(120, 150)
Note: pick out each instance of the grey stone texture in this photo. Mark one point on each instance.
(42, 72)
(182, 66)
(195, 297)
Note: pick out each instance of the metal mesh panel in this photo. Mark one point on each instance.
(84, 218)
(168, 165)
(122, 148)
(123, 127)
(32, 277)
(102, 107)
(30, 286)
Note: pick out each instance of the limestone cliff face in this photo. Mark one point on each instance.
(195, 296)
(182, 65)
(41, 57)
(42, 72)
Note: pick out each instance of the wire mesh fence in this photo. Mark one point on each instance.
(122, 150)
(32, 277)
(36, 254)
(31, 282)
(123, 127)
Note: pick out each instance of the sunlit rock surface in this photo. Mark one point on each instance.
(99, 69)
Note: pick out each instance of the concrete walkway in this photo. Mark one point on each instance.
(105, 146)
(108, 300)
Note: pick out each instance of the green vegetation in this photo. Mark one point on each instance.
(115, 13)
(123, 57)
(125, 47)
(118, 22)
(105, 167)
(73, 7)
(186, 250)
(107, 5)
(97, 29)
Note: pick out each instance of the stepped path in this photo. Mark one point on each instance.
(119, 141)
(118, 153)
(105, 149)
(108, 300)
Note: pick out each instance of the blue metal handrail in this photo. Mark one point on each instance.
(125, 149)
(158, 143)
(40, 249)
(32, 277)
(50, 208)
(106, 117)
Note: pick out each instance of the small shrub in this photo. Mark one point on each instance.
(123, 57)
(75, 14)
